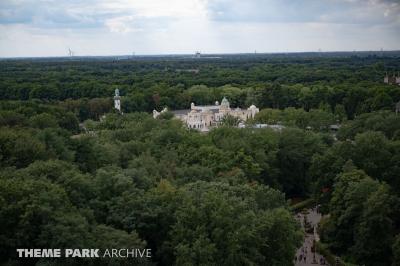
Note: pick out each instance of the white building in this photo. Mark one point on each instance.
(275, 127)
(393, 80)
(117, 100)
(205, 117)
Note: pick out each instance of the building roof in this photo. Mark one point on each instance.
(206, 106)
(211, 108)
(225, 102)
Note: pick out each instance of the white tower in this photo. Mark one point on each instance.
(117, 100)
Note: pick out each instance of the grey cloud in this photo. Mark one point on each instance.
(289, 11)
(73, 14)
(58, 14)
(90, 14)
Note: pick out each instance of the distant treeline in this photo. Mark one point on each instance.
(354, 83)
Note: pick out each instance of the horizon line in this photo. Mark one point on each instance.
(192, 54)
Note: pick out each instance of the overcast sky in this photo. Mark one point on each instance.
(115, 27)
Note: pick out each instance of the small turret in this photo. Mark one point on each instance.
(225, 103)
(253, 110)
(386, 78)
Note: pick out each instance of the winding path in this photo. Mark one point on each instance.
(304, 255)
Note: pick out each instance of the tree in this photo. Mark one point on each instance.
(43, 120)
(396, 251)
(372, 153)
(214, 219)
(230, 121)
(166, 116)
(29, 208)
(296, 149)
(99, 106)
(382, 101)
(48, 92)
(19, 148)
(70, 122)
(201, 94)
(11, 118)
(361, 223)
(340, 113)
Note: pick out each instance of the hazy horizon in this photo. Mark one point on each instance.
(203, 55)
(48, 28)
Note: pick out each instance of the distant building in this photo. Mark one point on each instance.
(208, 116)
(197, 55)
(392, 80)
(334, 128)
(190, 70)
(276, 127)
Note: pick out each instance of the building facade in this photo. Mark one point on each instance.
(392, 79)
(208, 116)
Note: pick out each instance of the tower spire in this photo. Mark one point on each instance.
(117, 100)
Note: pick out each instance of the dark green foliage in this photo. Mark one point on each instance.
(20, 148)
(396, 251)
(384, 121)
(344, 84)
(134, 181)
(215, 219)
(166, 116)
(315, 119)
(362, 221)
(296, 149)
(131, 181)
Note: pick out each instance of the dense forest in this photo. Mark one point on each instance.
(76, 173)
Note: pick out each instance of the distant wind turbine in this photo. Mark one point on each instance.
(70, 52)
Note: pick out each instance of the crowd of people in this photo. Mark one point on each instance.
(306, 254)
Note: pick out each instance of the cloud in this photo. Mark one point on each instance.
(288, 11)
(30, 27)
(98, 13)
(49, 13)
(89, 13)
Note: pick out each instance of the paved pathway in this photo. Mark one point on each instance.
(304, 255)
